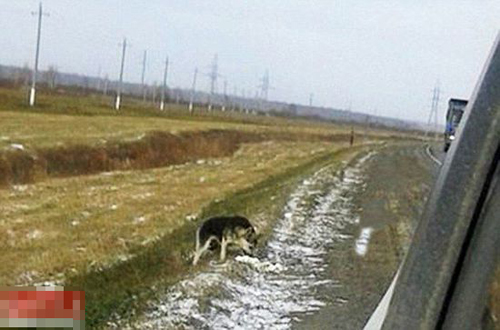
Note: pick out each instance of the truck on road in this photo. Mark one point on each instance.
(456, 108)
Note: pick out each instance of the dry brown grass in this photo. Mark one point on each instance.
(494, 300)
(73, 135)
(65, 225)
(155, 149)
(41, 130)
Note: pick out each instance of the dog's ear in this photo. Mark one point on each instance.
(249, 231)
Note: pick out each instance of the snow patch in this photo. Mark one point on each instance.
(191, 217)
(261, 266)
(17, 146)
(34, 234)
(363, 241)
(20, 188)
(139, 220)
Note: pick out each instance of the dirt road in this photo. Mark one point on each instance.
(328, 261)
(397, 181)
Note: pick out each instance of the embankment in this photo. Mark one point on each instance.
(152, 150)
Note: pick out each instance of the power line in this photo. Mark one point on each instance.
(37, 54)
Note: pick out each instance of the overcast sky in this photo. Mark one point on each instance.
(383, 56)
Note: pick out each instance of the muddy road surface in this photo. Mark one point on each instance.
(329, 259)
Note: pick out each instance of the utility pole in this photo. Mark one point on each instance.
(155, 91)
(213, 75)
(193, 91)
(37, 54)
(143, 76)
(225, 96)
(244, 101)
(256, 103)
(311, 96)
(164, 86)
(106, 83)
(265, 86)
(99, 80)
(264, 89)
(120, 83)
(433, 115)
(234, 102)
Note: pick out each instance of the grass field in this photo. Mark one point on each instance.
(99, 218)
(61, 120)
(80, 134)
(122, 229)
(90, 119)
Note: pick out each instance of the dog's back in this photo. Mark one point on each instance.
(217, 225)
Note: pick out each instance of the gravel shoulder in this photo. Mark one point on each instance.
(397, 181)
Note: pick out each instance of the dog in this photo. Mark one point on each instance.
(224, 231)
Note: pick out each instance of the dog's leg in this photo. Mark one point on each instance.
(197, 253)
(205, 247)
(223, 246)
(197, 239)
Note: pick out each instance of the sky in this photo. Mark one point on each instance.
(378, 57)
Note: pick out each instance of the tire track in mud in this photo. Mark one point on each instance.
(285, 281)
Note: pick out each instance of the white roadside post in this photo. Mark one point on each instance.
(193, 90)
(120, 83)
(37, 54)
(164, 87)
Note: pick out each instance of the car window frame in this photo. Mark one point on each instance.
(438, 270)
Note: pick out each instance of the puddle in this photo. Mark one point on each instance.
(286, 280)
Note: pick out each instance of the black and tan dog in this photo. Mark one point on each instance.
(234, 230)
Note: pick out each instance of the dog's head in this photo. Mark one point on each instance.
(246, 238)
